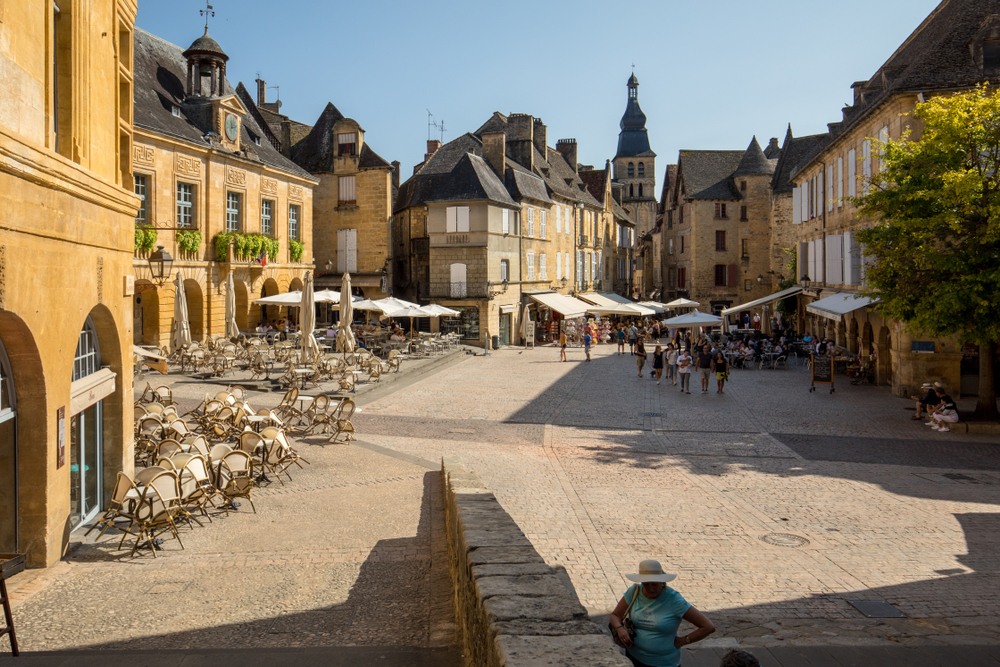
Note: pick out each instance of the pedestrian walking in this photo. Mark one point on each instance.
(672, 363)
(705, 360)
(621, 339)
(721, 369)
(633, 334)
(562, 346)
(684, 363)
(587, 340)
(656, 611)
(658, 363)
(640, 353)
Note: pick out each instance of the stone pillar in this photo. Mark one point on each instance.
(197, 78)
(215, 73)
(190, 83)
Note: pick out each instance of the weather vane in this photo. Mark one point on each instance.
(208, 13)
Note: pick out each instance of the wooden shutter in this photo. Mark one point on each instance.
(559, 268)
(451, 219)
(834, 261)
(543, 224)
(797, 206)
(463, 218)
(542, 269)
(341, 250)
(840, 182)
(579, 266)
(802, 260)
(806, 202)
(732, 280)
(852, 173)
(352, 250)
(505, 227)
(829, 187)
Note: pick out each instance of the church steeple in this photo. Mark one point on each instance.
(633, 140)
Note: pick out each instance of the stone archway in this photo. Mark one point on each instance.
(27, 469)
(264, 314)
(196, 308)
(242, 305)
(146, 314)
(867, 340)
(292, 313)
(853, 344)
(883, 367)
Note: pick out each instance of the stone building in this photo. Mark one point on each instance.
(635, 170)
(352, 204)
(213, 186)
(617, 244)
(717, 239)
(66, 247)
(956, 48)
(489, 242)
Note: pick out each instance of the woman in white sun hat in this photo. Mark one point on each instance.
(656, 611)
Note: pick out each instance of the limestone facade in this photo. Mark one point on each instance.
(212, 186)
(66, 246)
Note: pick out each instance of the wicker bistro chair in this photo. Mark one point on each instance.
(119, 510)
(158, 506)
(197, 443)
(278, 458)
(343, 428)
(273, 433)
(197, 489)
(164, 395)
(214, 457)
(168, 447)
(235, 478)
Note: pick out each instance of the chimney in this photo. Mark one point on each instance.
(432, 147)
(261, 92)
(773, 146)
(567, 148)
(520, 140)
(395, 174)
(495, 151)
(541, 137)
(286, 137)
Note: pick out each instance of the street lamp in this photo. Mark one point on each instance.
(329, 266)
(160, 262)
(760, 279)
(806, 281)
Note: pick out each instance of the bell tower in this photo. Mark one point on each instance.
(206, 63)
(635, 163)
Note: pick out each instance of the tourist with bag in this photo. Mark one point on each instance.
(654, 610)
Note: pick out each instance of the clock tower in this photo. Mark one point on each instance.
(206, 86)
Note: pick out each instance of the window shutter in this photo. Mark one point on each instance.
(569, 272)
(834, 262)
(505, 226)
(352, 250)
(451, 219)
(543, 222)
(341, 250)
(600, 265)
(579, 266)
(852, 173)
(733, 277)
(829, 187)
(866, 166)
(463, 219)
(802, 260)
(558, 266)
(840, 182)
(806, 202)
(542, 268)
(797, 206)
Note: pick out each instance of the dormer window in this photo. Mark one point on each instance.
(991, 54)
(347, 144)
(175, 110)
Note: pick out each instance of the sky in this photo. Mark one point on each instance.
(712, 73)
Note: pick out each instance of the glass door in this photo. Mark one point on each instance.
(504, 329)
(85, 445)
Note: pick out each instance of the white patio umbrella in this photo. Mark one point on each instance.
(682, 303)
(307, 322)
(694, 319)
(182, 327)
(392, 303)
(285, 299)
(409, 311)
(232, 331)
(440, 311)
(329, 296)
(345, 337)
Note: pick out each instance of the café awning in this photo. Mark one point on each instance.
(657, 307)
(602, 303)
(566, 306)
(836, 306)
(645, 311)
(791, 291)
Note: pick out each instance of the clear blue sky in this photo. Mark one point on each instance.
(712, 73)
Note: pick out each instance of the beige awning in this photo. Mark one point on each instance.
(791, 291)
(566, 306)
(835, 307)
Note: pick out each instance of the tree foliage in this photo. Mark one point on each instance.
(933, 253)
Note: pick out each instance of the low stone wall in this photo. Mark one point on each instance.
(512, 609)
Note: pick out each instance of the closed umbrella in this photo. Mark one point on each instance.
(182, 327)
(345, 337)
(765, 324)
(307, 321)
(232, 331)
(525, 318)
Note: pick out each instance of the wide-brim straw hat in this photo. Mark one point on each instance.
(650, 571)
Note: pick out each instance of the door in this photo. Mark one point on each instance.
(85, 443)
(504, 329)
(137, 320)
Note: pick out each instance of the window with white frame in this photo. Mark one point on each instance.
(347, 251)
(347, 190)
(531, 222)
(87, 360)
(457, 219)
(600, 265)
(505, 224)
(541, 224)
(504, 270)
(529, 259)
(883, 138)
(579, 269)
(542, 271)
(593, 266)
(142, 215)
(234, 211)
(459, 284)
(267, 217)
(293, 221)
(185, 205)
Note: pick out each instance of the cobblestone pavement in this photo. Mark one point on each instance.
(351, 552)
(774, 505)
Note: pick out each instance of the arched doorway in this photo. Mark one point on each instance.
(196, 310)
(145, 314)
(293, 313)
(85, 434)
(265, 314)
(8, 456)
(242, 305)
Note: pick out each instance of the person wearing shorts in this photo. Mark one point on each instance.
(721, 368)
(587, 340)
(658, 363)
(621, 339)
(562, 346)
(705, 360)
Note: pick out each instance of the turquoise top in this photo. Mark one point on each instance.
(656, 622)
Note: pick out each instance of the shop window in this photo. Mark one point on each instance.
(466, 324)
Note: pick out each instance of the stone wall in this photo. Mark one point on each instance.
(512, 609)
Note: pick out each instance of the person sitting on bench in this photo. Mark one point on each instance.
(929, 401)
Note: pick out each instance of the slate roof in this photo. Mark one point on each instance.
(669, 180)
(522, 184)
(316, 152)
(496, 123)
(560, 178)
(435, 172)
(205, 44)
(794, 151)
(936, 56)
(594, 180)
(251, 106)
(471, 179)
(708, 174)
(633, 140)
(754, 162)
(160, 73)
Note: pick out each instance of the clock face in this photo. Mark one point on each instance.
(232, 127)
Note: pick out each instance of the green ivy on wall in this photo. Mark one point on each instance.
(295, 248)
(188, 240)
(145, 238)
(246, 246)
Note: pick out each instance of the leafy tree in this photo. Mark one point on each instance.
(933, 255)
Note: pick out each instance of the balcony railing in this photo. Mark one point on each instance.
(458, 291)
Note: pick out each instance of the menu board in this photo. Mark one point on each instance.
(822, 369)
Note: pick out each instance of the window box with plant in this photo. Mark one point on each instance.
(295, 249)
(188, 241)
(145, 239)
(246, 247)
